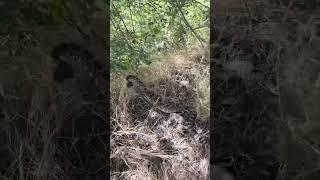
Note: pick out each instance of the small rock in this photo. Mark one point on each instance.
(184, 83)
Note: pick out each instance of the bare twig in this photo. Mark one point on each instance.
(156, 10)
(127, 30)
(249, 14)
(130, 4)
(115, 27)
(201, 4)
(200, 39)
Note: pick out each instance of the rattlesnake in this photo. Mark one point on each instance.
(144, 100)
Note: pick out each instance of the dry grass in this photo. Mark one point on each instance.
(38, 137)
(162, 151)
(267, 99)
(46, 126)
(26, 130)
(266, 73)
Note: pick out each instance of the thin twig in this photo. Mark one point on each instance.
(129, 2)
(127, 41)
(188, 24)
(114, 25)
(249, 14)
(201, 4)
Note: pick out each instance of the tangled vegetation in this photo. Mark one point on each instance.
(266, 97)
(159, 146)
(167, 38)
(142, 29)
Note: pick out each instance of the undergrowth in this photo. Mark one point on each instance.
(265, 75)
(163, 150)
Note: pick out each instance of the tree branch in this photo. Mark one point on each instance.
(201, 4)
(200, 39)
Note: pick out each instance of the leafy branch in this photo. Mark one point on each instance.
(140, 30)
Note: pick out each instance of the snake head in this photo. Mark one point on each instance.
(135, 84)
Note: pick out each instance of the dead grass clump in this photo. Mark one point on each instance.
(161, 147)
(188, 68)
(26, 122)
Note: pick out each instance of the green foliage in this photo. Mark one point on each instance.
(140, 29)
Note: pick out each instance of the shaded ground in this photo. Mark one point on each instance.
(266, 71)
(53, 99)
